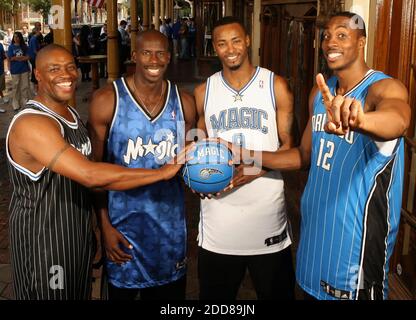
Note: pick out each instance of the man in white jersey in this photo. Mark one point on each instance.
(354, 146)
(247, 227)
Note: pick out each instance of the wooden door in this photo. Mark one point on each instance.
(395, 54)
(287, 48)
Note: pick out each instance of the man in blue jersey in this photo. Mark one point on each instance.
(353, 143)
(139, 122)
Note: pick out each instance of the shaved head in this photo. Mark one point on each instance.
(56, 73)
(151, 56)
(151, 35)
(45, 54)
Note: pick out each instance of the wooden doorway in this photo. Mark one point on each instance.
(287, 38)
(396, 55)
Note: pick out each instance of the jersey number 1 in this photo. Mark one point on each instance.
(326, 154)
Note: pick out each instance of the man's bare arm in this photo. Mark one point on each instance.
(385, 115)
(100, 114)
(391, 113)
(199, 94)
(188, 104)
(37, 139)
(284, 114)
(284, 117)
(294, 158)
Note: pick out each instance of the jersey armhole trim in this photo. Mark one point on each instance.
(206, 94)
(180, 102)
(181, 140)
(116, 102)
(73, 125)
(272, 90)
(34, 176)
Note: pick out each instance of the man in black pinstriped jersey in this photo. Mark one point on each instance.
(48, 153)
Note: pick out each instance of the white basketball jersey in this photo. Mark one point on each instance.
(250, 219)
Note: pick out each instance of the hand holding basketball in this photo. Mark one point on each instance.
(241, 177)
(343, 113)
(170, 169)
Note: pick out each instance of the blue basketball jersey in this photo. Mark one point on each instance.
(350, 208)
(152, 217)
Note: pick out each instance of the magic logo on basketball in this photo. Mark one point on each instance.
(207, 172)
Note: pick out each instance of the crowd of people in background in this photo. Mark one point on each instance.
(17, 59)
(181, 35)
(19, 50)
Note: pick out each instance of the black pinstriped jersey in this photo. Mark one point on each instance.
(51, 237)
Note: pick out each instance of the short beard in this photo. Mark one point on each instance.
(234, 68)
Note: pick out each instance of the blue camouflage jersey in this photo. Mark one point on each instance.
(350, 208)
(151, 217)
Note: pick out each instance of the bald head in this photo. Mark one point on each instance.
(47, 53)
(56, 73)
(151, 56)
(152, 35)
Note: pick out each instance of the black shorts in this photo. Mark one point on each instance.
(220, 275)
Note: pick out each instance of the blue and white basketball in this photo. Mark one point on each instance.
(209, 170)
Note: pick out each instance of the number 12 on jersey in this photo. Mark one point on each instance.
(326, 151)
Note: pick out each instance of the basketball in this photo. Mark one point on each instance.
(209, 170)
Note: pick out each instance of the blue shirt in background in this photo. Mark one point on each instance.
(2, 56)
(17, 67)
(34, 47)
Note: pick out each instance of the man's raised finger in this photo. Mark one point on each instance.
(326, 93)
